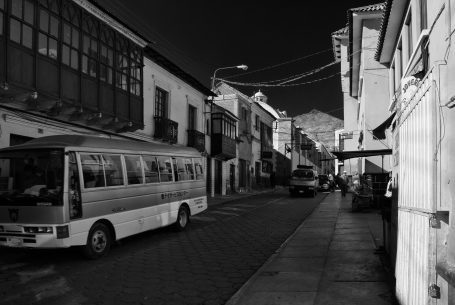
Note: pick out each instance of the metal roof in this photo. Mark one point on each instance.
(344, 155)
(103, 144)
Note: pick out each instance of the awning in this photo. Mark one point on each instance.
(344, 155)
(379, 132)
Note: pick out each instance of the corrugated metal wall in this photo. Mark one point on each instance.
(417, 127)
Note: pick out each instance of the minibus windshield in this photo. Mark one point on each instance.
(31, 177)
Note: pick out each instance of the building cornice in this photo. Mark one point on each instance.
(103, 16)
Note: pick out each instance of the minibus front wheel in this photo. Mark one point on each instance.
(99, 241)
(183, 218)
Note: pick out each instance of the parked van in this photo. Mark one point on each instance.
(304, 181)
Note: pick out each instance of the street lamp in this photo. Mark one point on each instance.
(243, 67)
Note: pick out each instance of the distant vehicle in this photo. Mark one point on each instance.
(304, 181)
(72, 190)
(324, 183)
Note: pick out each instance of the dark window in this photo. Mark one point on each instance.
(107, 55)
(71, 36)
(161, 100)
(410, 42)
(90, 28)
(257, 123)
(121, 65)
(2, 14)
(48, 33)
(192, 116)
(135, 71)
(21, 22)
(423, 14)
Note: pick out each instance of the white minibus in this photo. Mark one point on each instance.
(75, 190)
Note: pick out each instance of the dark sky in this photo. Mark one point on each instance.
(201, 36)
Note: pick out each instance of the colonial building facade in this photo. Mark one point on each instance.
(68, 67)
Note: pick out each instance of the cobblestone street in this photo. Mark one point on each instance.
(206, 264)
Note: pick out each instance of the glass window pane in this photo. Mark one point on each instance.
(28, 12)
(133, 169)
(16, 8)
(75, 38)
(84, 64)
(151, 169)
(110, 57)
(86, 44)
(74, 59)
(180, 170)
(92, 171)
(1, 23)
(42, 44)
(27, 38)
(53, 48)
(165, 167)
(15, 31)
(44, 21)
(54, 26)
(109, 75)
(66, 55)
(92, 67)
(113, 170)
(198, 168)
(94, 48)
(189, 168)
(66, 34)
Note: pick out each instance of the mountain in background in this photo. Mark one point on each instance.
(319, 126)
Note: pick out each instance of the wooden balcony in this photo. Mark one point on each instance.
(166, 130)
(196, 139)
(223, 147)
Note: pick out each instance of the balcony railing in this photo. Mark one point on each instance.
(166, 129)
(196, 139)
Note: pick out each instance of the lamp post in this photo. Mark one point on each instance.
(243, 67)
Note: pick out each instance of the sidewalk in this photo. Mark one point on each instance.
(218, 199)
(330, 259)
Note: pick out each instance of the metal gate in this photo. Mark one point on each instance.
(416, 202)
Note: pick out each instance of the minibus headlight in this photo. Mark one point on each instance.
(35, 230)
(63, 232)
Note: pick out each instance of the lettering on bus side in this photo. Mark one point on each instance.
(174, 194)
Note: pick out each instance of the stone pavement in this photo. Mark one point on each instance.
(332, 258)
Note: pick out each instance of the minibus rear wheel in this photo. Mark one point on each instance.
(99, 241)
(183, 218)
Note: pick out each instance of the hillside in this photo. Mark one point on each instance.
(320, 126)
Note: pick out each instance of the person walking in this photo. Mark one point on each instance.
(344, 184)
(331, 183)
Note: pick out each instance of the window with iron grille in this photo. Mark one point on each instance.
(71, 35)
(135, 70)
(22, 19)
(161, 100)
(121, 58)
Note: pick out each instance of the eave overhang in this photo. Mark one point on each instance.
(392, 22)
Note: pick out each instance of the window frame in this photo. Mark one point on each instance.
(161, 104)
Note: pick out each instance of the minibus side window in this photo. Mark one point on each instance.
(189, 168)
(133, 170)
(151, 169)
(92, 171)
(198, 168)
(165, 169)
(180, 169)
(113, 170)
